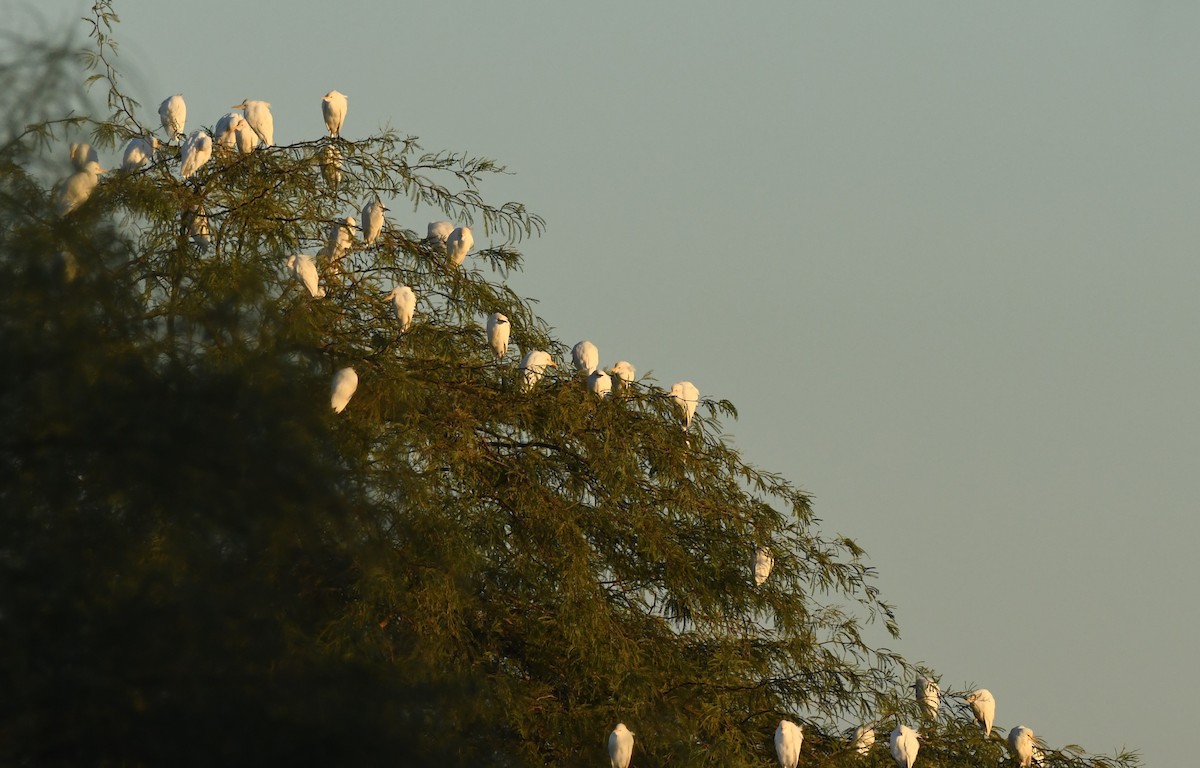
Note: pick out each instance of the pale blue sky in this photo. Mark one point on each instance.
(941, 255)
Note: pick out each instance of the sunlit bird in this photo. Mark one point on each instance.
(331, 165)
(439, 232)
(620, 746)
(904, 746)
(863, 739)
(534, 365)
(235, 133)
(983, 706)
(458, 245)
(929, 696)
(258, 115)
(1021, 744)
(498, 329)
(624, 372)
(599, 383)
(342, 389)
(686, 397)
(372, 218)
(223, 131)
(82, 154)
(173, 114)
(405, 303)
(78, 187)
(138, 153)
(333, 108)
(764, 561)
(196, 151)
(585, 357)
(196, 222)
(305, 270)
(788, 738)
(340, 238)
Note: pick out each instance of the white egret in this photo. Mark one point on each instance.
(904, 746)
(620, 746)
(340, 239)
(1021, 745)
(624, 371)
(599, 383)
(78, 188)
(764, 561)
(223, 130)
(686, 397)
(458, 245)
(258, 115)
(405, 302)
(534, 364)
(138, 153)
(863, 739)
(929, 696)
(82, 154)
(983, 705)
(173, 114)
(196, 221)
(305, 270)
(196, 151)
(372, 218)
(342, 389)
(333, 107)
(331, 165)
(244, 136)
(439, 232)
(498, 329)
(788, 738)
(585, 357)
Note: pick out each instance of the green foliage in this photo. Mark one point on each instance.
(204, 565)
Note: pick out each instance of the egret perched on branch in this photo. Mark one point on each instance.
(624, 371)
(333, 107)
(863, 739)
(439, 232)
(173, 114)
(534, 364)
(78, 188)
(258, 115)
(1021, 745)
(138, 154)
(599, 383)
(345, 382)
(788, 738)
(234, 132)
(585, 357)
(331, 165)
(340, 239)
(405, 302)
(498, 329)
(686, 397)
(223, 130)
(372, 217)
(195, 152)
(983, 705)
(305, 270)
(620, 746)
(764, 561)
(928, 696)
(904, 746)
(458, 245)
(82, 154)
(196, 221)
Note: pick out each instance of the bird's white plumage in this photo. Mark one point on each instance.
(904, 746)
(687, 397)
(196, 151)
(305, 270)
(1022, 744)
(138, 153)
(585, 357)
(498, 329)
(196, 221)
(78, 187)
(222, 133)
(863, 739)
(372, 218)
(339, 240)
(333, 109)
(258, 116)
(764, 561)
(345, 382)
(620, 746)
(405, 303)
(173, 115)
(624, 372)
(788, 738)
(331, 165)
(983, 706)
(599, 383)
(82, 154)
(439, 231)
(929, 696)
(534, 366)
(458, 245)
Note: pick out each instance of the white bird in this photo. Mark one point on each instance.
(599, 383)
(138, 153)
(686, 397)
(624, 371)
(333, 107)
(305, 270)
(331, 165)
(1021, 744)
(405, 302)
(788, 738)
(340, 239)
(439, 231)
(929, 696)
(196, 221)
(498, 329)
(372, 217)
(458, 245)
(534, 364)
(223, 130)
(173, 114)
(258, 115)
(585, 357)
(983, 705)
(235, 133)
(345, 382)
(82, 154)
(863, 739)
(196, 151)
(78, 188)
(904, 746)
(764, 561)
(620, 745)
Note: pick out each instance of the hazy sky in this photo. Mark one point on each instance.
(941, 255)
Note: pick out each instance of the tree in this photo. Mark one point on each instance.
(204, 564)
